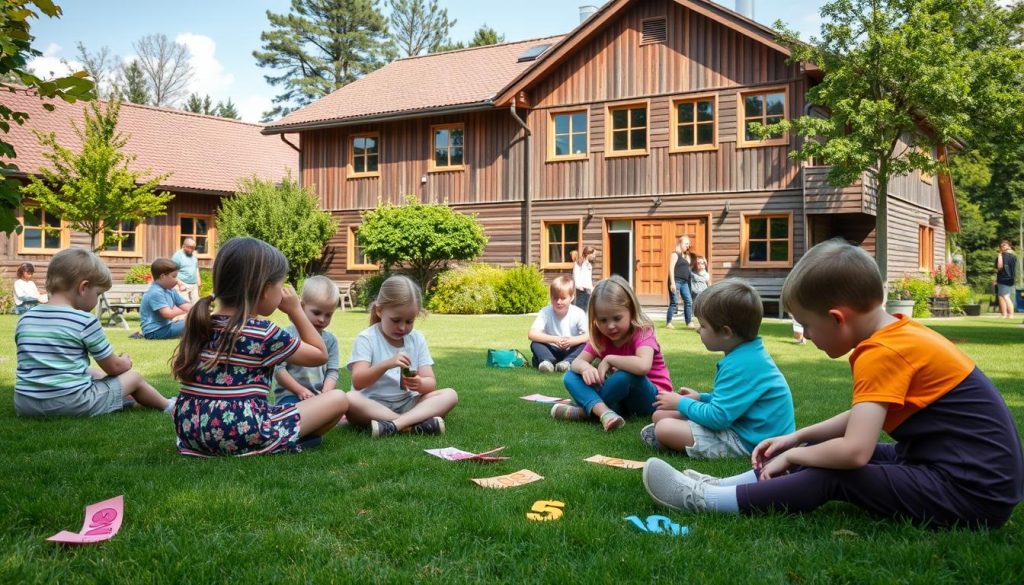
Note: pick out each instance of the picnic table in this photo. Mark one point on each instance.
(117, 301)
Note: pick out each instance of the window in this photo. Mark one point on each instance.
(568, 136)
(926, 248)
(767, 241)
(693, 121)
(43, 232)
(130, 244)
(357, 260)
(763, 107)
(449, 148)
(558, 239)
(199, 228)
(364, 157)
(627, 132)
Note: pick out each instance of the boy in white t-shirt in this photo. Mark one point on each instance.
(559, 332)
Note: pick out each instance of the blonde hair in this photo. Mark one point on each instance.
(562, 284)
(616, 292)
(396, 291)
(834, 274)
(731, 303)
(70, 267)
(320, 289)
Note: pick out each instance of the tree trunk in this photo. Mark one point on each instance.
(882, 226)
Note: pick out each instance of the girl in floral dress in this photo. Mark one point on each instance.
(225, 362)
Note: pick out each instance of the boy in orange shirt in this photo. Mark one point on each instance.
(957, 459)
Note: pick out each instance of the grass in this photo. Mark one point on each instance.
(359, 510)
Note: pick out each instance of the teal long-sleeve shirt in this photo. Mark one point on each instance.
(750, 396)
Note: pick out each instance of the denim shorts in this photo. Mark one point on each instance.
(1004, 290)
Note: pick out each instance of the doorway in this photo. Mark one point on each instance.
(620, 248)
(639, 251)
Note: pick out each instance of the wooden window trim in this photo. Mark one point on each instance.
(65, 236)
(925, 248)
(432, 167)
(741, 126)
(674, 123)
(350, 247)
(140, 244)
(211, 234)
(745, 240)
(552, 157)
(544, 263)
(609, 108)
(352, 174)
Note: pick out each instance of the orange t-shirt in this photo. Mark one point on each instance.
(907, 366)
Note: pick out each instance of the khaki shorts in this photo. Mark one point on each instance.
(104, 396)
(191, 293)
(709, 444)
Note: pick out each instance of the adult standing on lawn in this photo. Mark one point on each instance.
(679, 281)
(1006, 276)
(189, 281)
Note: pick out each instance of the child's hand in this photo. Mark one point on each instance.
(667, 401)
(769, 448)
(400, 360)
(605, 369)
(689, 393)
(563, 342)
(289, 301)
(414, 383)
(592, 376)
(125, 357)
(776, 467)
(304, 394)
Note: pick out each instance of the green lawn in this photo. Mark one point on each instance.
(362, 510)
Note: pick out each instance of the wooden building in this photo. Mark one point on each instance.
(623, 134)
(205, 156)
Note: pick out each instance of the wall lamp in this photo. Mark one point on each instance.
(727, 208)
(590, 211)
(657, 201)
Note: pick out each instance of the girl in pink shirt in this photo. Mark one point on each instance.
(631, 370)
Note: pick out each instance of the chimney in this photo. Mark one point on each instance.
(586, 11)
(746, 8)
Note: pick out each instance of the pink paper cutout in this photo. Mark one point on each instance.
(453, 454)
(102, 522)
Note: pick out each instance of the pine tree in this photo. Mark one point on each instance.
(132, 86)
(227, 110)
(486, 35)
(200, 105)
(416, 27)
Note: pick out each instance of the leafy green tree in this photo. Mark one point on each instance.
(200, 105)
(15, 51)
(133, 85)
(416, 26)
(94, 190)
(422, 238)
(228, 110)
(486, 35)
(284, 215)
(926, 71)
(318, 47)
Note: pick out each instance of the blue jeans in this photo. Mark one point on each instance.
(622, 392)
(171, 330)
(543, 352)
(683, 289)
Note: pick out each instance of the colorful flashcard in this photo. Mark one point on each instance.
(546, 510)
(453, 454)
(658, 525)
(521, 477)
(615, 462)
(543, 398)
(102, 521)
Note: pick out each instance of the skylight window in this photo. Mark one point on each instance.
(533, 52)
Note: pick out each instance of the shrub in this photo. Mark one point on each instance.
(468, 290)
(6, 292)
(139, 274)
(368, 286)
(959, 295)
(205, 282)
(522, 290)
(920, 290)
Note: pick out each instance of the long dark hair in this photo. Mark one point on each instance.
(243, 269)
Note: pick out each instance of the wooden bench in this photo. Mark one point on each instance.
(770, 289)
(346, 294)
(117, 301)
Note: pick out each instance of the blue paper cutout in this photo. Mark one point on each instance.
(657, 524)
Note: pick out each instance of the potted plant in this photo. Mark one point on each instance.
(972, 308)
(901, 298)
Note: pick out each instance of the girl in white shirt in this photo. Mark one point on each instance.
(583, 276)
(26, 295)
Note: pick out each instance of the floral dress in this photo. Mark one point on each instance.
(224, 411)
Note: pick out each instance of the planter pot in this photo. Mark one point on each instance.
(894, 306)
(939, 306)
(973, 310)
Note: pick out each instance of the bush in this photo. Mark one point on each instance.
(959, 295)
(522, 290)
(469, 290)
(205, 282)
(139, 274)
(368, 286)
(6, 292)
(920, 290)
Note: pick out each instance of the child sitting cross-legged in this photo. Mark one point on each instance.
(957, 460)
(293, 382)
(559, 332)
(750, 400)
(162, 310)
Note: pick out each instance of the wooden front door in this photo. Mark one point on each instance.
(655, 240)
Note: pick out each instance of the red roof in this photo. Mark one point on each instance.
(464, 77)
(202, 153)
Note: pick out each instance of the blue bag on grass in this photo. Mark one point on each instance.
(505, 358)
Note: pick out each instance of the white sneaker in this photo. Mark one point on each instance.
(701, 477)
(562, 367)
(670, 488)
(546, 367)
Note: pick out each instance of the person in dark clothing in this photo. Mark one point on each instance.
(1006, 276)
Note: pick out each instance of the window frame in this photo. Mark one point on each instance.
(552, 157)
(745, 261)
(674, 123)
(65, 236)
(432, 166)
(350, 249)
(140, 244)
(925, 255)
(211, 233)
(741, 117)
(609, 130)
(545, 263)
(352, 174)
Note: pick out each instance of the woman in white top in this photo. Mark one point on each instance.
(26, 295)
(583, 276)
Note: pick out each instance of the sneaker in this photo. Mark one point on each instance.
(432, 426)
(701, 477)
(546, 367)
(169, 409)
(611, 420)
(669, 326)
(136, 335)
(568, 412)
(562, 367)
(382, 428)
(670, 488)
(647, 436)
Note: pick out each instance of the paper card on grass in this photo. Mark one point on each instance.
(453, 454)
(521, 477)
(102, 521)
(543, 398)
(615, 462)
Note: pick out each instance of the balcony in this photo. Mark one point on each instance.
(821, 198)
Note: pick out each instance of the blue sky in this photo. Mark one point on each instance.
(221, 34)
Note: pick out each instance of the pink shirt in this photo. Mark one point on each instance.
(642, 337)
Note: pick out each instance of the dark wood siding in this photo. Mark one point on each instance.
(904, 221)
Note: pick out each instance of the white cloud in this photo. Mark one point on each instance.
(208, 74)
(251, 108)
(50, 64)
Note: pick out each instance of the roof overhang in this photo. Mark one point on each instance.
(947, 196)
(385, 117)
(19, 174)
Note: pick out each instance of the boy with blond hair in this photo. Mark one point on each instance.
(750, 400)
(296, 383)
(957, 460)
(559, 332)
(54, 342)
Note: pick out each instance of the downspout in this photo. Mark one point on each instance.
(527, 202)
(298, 150)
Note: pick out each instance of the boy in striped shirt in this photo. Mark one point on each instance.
(55, 341)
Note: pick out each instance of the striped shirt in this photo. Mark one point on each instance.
(248, 370)
(54, 344)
